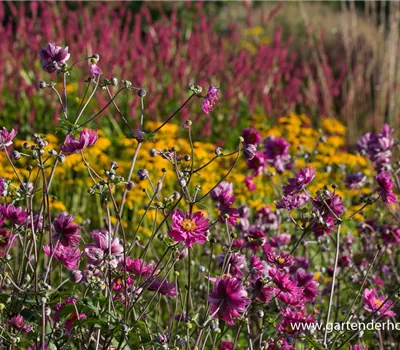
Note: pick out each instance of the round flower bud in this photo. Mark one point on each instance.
(188, 123)
(152, 152)
(186, 157)
(75, 276)
(48, 311)
(96, 56)
(260, 313)
(182, 182)
(15, 155)
(114, 81)
(218, 151)
(42, 84)
(241, 139)
(61, 158)
(141, 92)
(130, 185)
(127, 84)
(142, 173)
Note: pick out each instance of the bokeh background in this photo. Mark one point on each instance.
(299, 70)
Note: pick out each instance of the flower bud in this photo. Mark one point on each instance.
(42, 84)
(141, 92)
(218, 151)
(15, 155)
(76, 276)
(61, 158)
(114, 81)
(130, 185)
(152, 152)
(142, 173)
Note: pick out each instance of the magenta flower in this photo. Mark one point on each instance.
(226, 345)
(224, 186)
(372, 303)
(354, 181)
(72, 145)
(228, 299)
(256, 268)
(226, 212)
(324, 228)
(103, 245)
(263, 293)
(53, 57)
(15, 214)
(385, 187)
(357, 347)
(380, 148)
(287, 290)
(18, 323)
(188, 228)
(291, 202)
(306, 281)
(66, 231)
(138, 267)
(210, 99)
(69, 323)
(298, 183)
(257, 163)
(290, 318)
(94, 68)
(6, 138)
(163, 287)
(280, 260)
(251, 136)
(333, 201)
(67, 256)
(277, 152)
(235, 263)
(250, 184)
(249, 151)
(255, 236)
(283, 239)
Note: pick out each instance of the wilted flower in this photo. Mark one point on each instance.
(6, 138)
(385, 187)
(72, 145)
(65, 231)
(94, 68)
(210, 99)
(228, 299)
(188, 228)
(53, 57)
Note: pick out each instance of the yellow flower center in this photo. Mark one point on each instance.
(280, 260)
(378, 302)
(188, 225)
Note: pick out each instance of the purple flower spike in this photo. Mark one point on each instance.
(53, 57)
(210, 99)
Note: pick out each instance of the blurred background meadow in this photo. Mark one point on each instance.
(301, 70)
